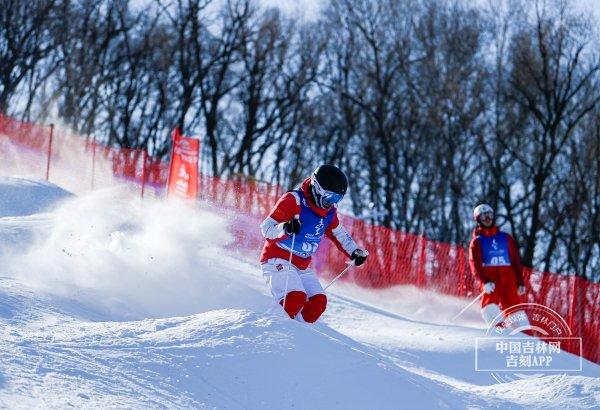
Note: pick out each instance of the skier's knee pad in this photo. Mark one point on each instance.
(294, 301)
(314, 308)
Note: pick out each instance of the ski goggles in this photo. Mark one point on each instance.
(325, 198)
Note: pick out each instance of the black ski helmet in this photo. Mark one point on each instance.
(329, 178)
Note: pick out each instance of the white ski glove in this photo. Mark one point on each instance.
(521, 290)
(489, 287)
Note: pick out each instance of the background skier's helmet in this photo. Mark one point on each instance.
(482, 209)
(328, 185)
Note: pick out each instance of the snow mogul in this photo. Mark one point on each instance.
(293, 231)
(494, 259)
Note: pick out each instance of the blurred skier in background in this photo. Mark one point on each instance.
(295, 227)
(494, 259)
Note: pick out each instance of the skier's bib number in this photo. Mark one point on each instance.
(498, 261)
(309, 247)
(494, 250)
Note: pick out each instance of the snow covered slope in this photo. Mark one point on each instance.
(107, 301)
(20, 197)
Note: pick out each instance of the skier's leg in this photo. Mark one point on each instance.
(277, 273)
(507, 291)
(294, 302)
(490, 310)
(509, 297)
(492, 314)
(314, 307)
(317, 300)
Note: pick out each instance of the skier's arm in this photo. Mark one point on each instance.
(515, 259)
(340, 237)
(284, 210)
(476, 261)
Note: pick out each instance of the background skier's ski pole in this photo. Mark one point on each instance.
(339, 275)
(468, 306)
(287, 277)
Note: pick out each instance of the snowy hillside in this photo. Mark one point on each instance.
(107, 301)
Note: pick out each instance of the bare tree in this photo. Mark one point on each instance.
(577, 215)
(555, 88)
(261, 95)
(25, 42)
(129, 101)
(452, 97)
(218, 79)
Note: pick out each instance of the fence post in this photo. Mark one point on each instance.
(422, 257)
(573, 324)
(145, 157)
(462, 286)
(573, 307)
(49, 151)
(174, 135)
(201, 183)
(93, 160)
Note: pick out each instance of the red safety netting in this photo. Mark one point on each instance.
(397, 258)
(24, 147)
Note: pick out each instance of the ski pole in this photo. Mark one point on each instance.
(350, 264)
(469, 305)
(287, 277)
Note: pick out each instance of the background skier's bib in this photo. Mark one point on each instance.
(494, 250)
(312, 230)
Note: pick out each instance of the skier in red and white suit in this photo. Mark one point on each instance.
(494, 259)
(296, 225)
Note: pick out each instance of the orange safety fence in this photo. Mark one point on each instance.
(397, 258)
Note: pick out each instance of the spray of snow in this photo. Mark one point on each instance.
(417, 304)
(131, 259)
